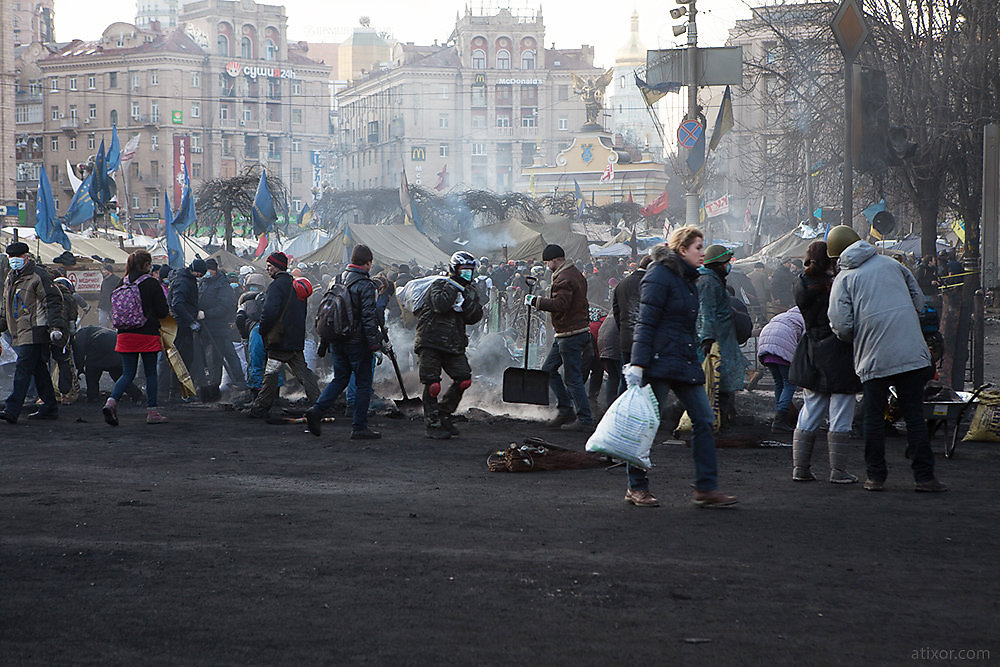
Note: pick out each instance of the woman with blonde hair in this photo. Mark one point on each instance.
(665, 355)
(139, 335)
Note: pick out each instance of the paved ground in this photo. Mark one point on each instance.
(219, 540)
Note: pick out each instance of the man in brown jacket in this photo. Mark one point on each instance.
(568, 304)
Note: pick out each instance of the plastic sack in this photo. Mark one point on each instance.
(985, 424)
(711, 368)
(628, 428)
(411, 295)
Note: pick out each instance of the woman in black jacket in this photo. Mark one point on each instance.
(665, 355)
(823, 367)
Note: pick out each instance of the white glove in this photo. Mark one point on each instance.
(195, 327)
(201, 314)
(633, 375)
(378, 358)
(529, 299)
(55, 336)
(459, 300)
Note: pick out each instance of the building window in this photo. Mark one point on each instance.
(247, 113)
(297, 116)
(478, 59)
(154, 169)
(196, 79)
(72, 112)
(55, 113)
(296, 174)
(296, 146)
(135, 79)
(135, 111)
(72, 143)
(563, 93)
(246, 47)
(112, 79)
(443, 121)
(503, 121)
(563, 123)
(296, 87)
(442, 150)
(92, 111)
(443, 92)
(114, 117)
(196, 110)
(54, 144)
(91, 81)
(528, 121)
(154, 78)
(478, 121)
(135, 202)
(503, 59)
(35, 88)
(72, 83)
(270, 50)
(195, 170)
(54, 84)
(479, 96)
(91, 141)
(479, 149)
(154, 110)
(223, 112)
(154, 141)
(222, 45)
(528, 60)
(196, 141)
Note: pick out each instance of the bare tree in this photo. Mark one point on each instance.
(218, 199)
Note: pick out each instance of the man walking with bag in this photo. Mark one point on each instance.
(352, 351)
(283, 328)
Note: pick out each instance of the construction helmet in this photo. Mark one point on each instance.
(460, 259)
(717, 253)
(303, 288)
(839, 238)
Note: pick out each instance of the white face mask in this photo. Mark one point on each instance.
(16, 263)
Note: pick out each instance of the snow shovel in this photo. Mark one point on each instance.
(524, 385)
(405, 404)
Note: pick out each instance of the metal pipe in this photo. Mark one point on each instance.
(691, 197)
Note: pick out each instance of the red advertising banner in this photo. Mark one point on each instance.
(182, 147)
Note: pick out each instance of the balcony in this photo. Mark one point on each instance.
(505, 131)
(69, 125)
(145, 119)
(227, 122)
(274, 156)
(273, 126)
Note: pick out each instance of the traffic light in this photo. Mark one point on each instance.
(873, 122)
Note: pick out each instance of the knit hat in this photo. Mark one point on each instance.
(552, 251)
(17, 248)
(717, 253)
(279, 260)
(210, 263)
(198, 266)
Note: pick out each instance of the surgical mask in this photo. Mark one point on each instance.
(235, 286)
(16, 263)
(466, 274)
(729, 267)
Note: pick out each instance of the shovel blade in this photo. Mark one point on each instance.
(526, 386)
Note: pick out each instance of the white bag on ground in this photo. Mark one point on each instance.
(628, 428)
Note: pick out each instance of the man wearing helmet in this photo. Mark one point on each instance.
(874, 303)
(571, 320)
(451, 304)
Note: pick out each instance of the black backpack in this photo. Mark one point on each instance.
(741, 319)
(335, 318)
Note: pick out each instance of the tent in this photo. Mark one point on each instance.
(912, 245)
(229, 262)
(520, 241)
(305, 243)
(391, 244)
(791, 245)
(561, 233)
(81, 246)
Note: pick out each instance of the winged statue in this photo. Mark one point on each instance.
(591, 91)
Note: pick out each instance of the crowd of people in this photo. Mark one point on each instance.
(846, 323)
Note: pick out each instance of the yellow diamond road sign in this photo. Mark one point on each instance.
(850, 28)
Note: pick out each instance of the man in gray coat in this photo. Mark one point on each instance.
(874, 303)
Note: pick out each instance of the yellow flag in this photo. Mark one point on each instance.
(959, 228)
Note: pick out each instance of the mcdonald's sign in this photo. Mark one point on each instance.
(479, 79)
(418, 154)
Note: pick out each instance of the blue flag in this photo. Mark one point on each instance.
(305, 216)
(581, 203)
(185, 214)
(114, 156)
(175, 253)
(81, 207)
(100, 185)
(263, 206)
(47, 226)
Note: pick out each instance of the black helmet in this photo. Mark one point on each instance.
(460, 259)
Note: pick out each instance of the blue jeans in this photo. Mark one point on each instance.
(352, 386)
(568, 352)
(349, 360)
(32, 363)
(783, 389)
(130, 366)
(695, 401)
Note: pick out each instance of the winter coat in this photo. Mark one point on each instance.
(567, 301)
(363, 297)
(183, 297)
(761, 285)
(625, 307)
(874, 303)
(781, 335)
(439, 325)
(609, 341)
(293, 331)
(781, 285)
(218, 301)
(108, 285)
(715, 322)
(248, 312)
(822, 363)
(32, 306)
(664, 342)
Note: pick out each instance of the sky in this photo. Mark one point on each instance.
(568, 23)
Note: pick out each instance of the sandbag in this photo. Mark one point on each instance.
(711, 368)
(985, 424)
(628, 428)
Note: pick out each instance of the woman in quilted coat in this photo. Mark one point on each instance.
(775, 349)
